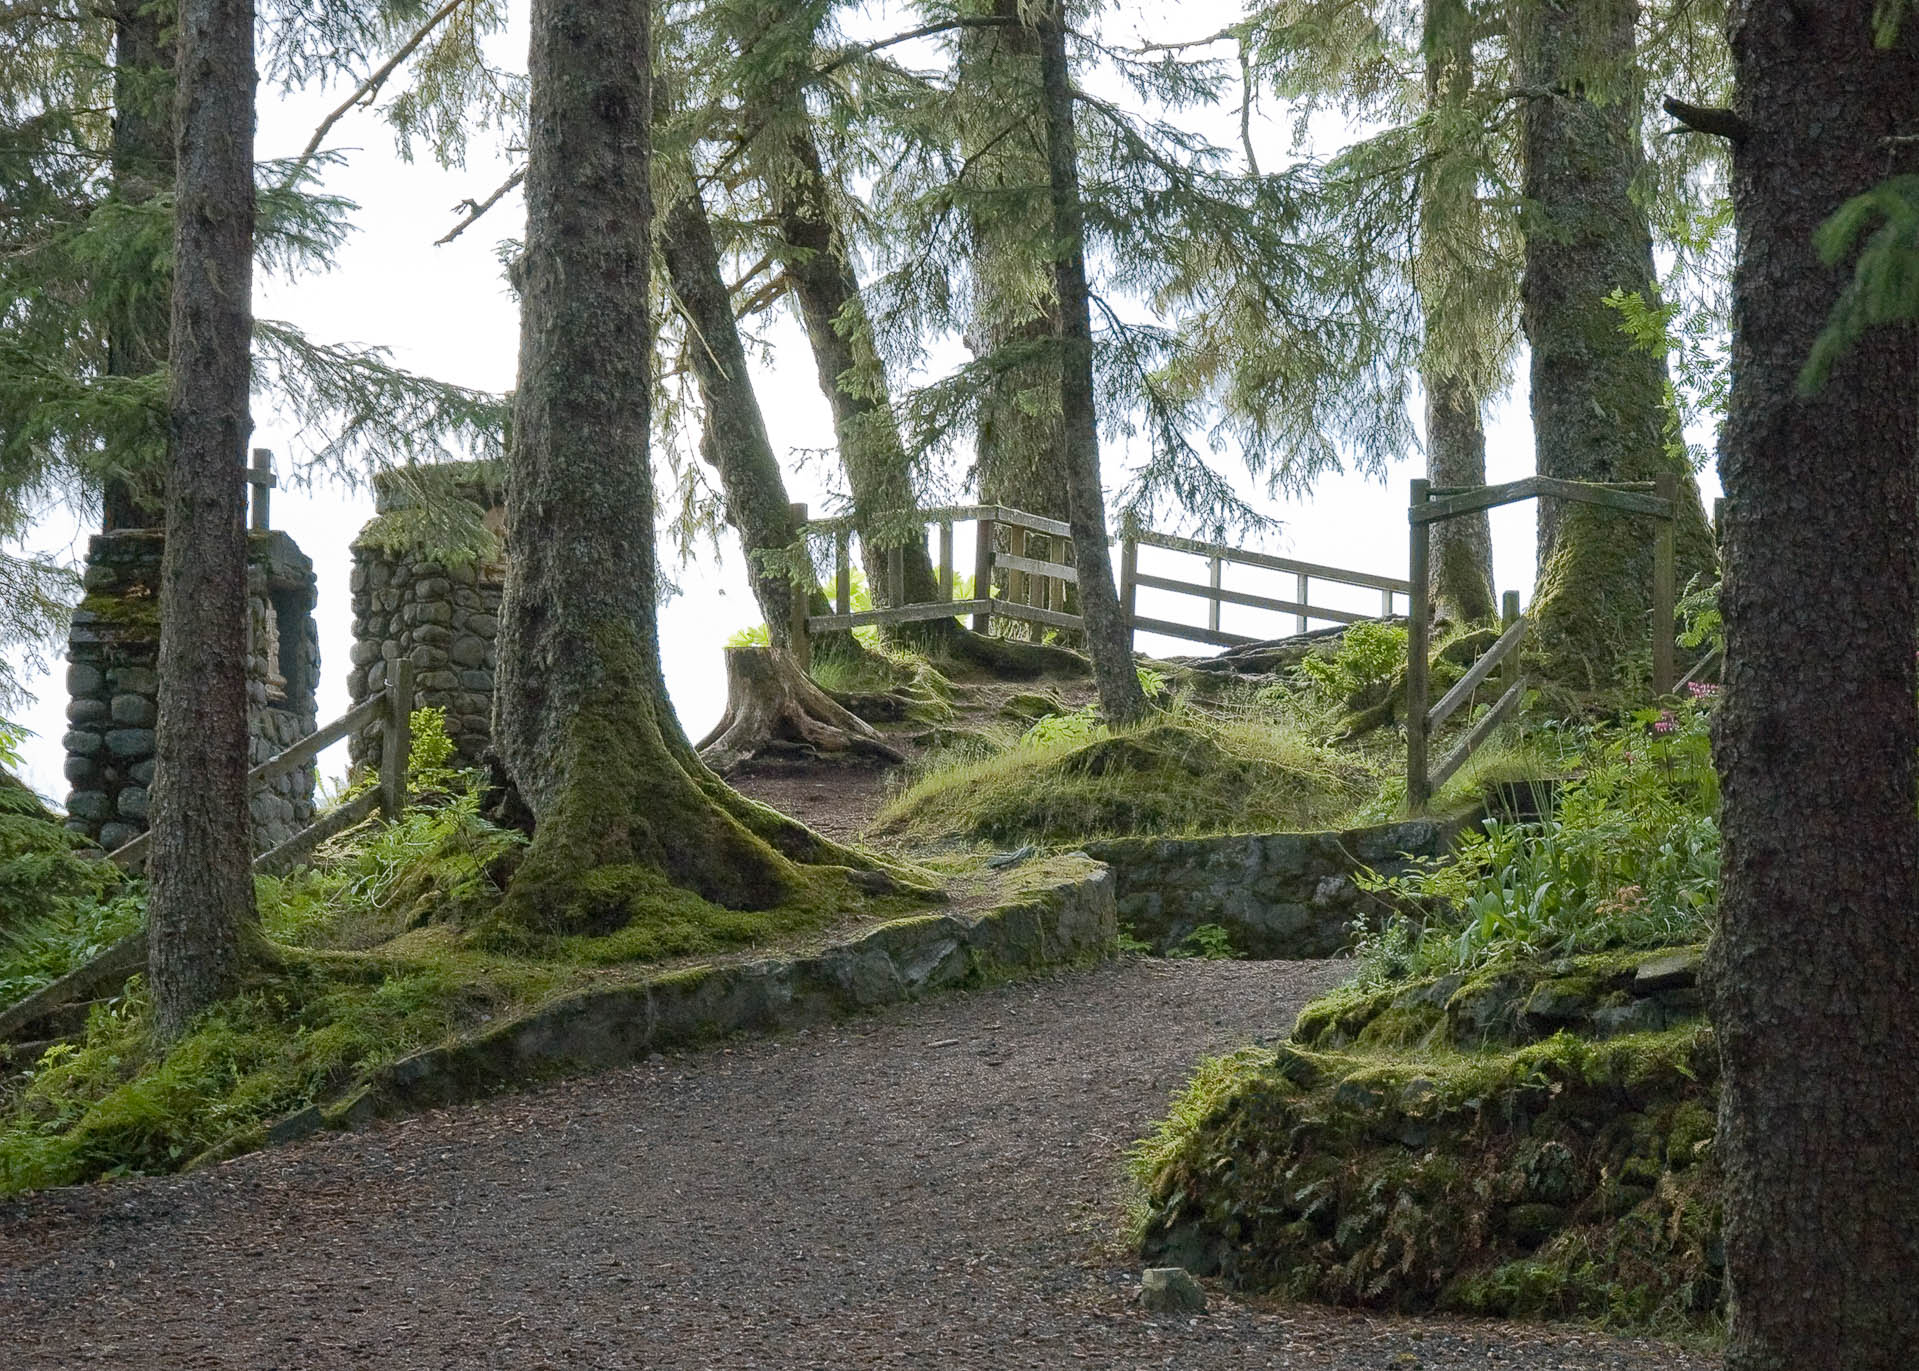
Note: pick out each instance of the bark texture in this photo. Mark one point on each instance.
(201, 913)
(142, 162)
(773, 706)
(1109, 637)
(1599, 403)
(627, 821)
(1814, 974)
(735, 440)
(1462, 549)
(851, 375)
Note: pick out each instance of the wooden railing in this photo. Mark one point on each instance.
(1036, 590)
(1657, 499)
(1037, 585)
(1218, 556)
(392, 708)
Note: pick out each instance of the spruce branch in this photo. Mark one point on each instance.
(476, 209)
(369, 89)
(1719, 123)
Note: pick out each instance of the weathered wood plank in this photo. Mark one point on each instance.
(1034, 614)
(903, 614)
(1251, 601)
(1019, 518)
(1476, 675)
(1033, 566)
(296, 849)
(1482, 730)
(1626, 501)
(298, 754)
(1261, 559)
(1167, 629)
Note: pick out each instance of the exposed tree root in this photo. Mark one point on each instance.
(772, 706)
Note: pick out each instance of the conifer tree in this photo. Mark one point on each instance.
(201, 913)
(628, 823)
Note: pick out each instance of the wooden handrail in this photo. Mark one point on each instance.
(1338, 575)
(1464, 687)
(394, 706)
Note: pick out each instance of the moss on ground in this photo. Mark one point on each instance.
(1180, 774)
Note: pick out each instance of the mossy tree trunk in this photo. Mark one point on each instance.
(826, 288)
(141, 157)
(1109, 636)
(1814, 972)
(735, 439)
(1019, 448)
(1601, 407)
(1462, 549)
(627, 819)
(201, 914)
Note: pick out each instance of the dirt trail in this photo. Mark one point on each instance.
(934, 1187)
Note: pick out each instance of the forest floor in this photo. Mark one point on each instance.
(939, 1185)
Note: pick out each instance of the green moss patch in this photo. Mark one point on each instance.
(1562, 1178)
(1184, 774)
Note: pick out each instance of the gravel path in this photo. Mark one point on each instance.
(933, 1187)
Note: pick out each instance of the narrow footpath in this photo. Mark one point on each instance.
(935, 1187)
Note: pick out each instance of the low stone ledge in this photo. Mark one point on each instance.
(1279, 896)
(1061, 918)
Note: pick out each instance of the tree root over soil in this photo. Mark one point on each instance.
(772, 705)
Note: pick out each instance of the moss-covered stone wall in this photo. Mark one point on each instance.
(113, 687)
(1283, 895)
(439, 607)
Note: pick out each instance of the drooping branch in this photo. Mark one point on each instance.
(1719, 123)
(365, 92)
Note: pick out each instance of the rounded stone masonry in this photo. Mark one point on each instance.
(114, 684)
(427, 575)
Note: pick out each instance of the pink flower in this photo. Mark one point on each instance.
(1701, 690)
(1664, 723)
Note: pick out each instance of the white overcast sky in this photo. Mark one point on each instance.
(446, 312)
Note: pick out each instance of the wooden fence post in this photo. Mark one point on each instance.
(1215, 577)
(1129, 585)
(1302, 586)
(396, 743)
(1664, 590)
(946, 559)
(797, 638)
(984, 555)
(1508, 616)
(262, 480)
(1416, 649)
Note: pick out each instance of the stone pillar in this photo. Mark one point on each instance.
(438, 608)
(113, 688)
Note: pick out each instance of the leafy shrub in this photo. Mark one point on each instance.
(1630, 858)
(1368, 655)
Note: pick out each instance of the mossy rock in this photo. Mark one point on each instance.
(1565, 1178)
(1030, 706)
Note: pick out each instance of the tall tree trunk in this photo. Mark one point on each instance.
(1109, 636)
(141, 160)
(1600, 405)
(1019, 450)
(1462, 549)
(1814, 972)
(201, 913)
(819, 264)
(736, 440)
(627, 819)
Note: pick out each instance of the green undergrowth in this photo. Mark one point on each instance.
(1184, 772)
(381, 948)
(1565, 1178)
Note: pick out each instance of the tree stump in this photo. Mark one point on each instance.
(773, 707)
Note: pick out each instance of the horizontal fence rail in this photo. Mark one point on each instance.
(392, 708)
(1219, 556)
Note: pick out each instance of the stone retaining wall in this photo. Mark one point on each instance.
(1065, 918)
(1280, 896)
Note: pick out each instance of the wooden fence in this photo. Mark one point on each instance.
(1218, 556)
(1657, 499)
(1038, 579)
(392, 709)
